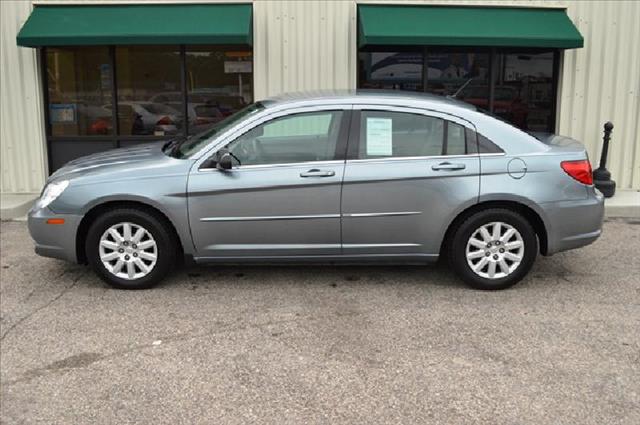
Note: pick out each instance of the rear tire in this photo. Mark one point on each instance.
(493, 249)
(130, 248)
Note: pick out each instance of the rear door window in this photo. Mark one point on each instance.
(385, 134)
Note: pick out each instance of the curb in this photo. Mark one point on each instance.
(16, 206)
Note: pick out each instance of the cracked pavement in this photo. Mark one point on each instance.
(323, 344)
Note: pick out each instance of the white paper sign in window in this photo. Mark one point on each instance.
(379, 137)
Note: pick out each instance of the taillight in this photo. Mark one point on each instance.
(164, 121)
(579, 170)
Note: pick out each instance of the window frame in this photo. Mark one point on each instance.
(355, 133)
(116, 138)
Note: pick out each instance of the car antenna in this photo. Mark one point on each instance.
(462, 87)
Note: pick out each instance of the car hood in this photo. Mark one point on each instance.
(138, 158)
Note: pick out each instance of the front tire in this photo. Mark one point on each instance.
(130, 248)
(493, 249)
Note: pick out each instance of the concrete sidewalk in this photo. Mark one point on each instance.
(625, 204)
(16, 205)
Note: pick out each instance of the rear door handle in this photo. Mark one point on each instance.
(314, 172)
(448, 166)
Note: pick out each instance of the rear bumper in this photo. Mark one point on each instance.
(573, 224)
(54, 240)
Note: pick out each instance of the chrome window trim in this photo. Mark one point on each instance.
(349, 161)
(423, 158)
(415, 110)
(269, 166)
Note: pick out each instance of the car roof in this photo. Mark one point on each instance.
(385, 97)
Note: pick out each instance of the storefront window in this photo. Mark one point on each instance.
(79, 91)
(524, 93)
(391, 70)
(155, 88)
(219, 83)
(516, 85)
(149, 90)
(463, 75)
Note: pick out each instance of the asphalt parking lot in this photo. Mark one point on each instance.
(323, 344)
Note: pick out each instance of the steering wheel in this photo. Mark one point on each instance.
(248, 150)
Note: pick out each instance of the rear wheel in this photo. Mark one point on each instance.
(130, 248)
(493, 249)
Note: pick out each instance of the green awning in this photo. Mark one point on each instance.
(466, 26)
(137, 24)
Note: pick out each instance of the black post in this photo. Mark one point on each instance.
(602, 176)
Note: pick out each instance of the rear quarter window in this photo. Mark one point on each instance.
(477, 143)
(487, 146)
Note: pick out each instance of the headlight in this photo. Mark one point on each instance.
(51, 192)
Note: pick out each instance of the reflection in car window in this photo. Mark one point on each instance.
(455, 140)
(194, 143)
(303, 137)
(398, 134)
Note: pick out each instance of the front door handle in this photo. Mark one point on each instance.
(314, 172)
(448, 166)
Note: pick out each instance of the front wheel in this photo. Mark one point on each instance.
(493, 249)
(130, 248)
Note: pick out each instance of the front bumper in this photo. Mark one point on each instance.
(574, 224)
(54, 240)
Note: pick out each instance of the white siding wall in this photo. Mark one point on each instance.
(22, 146)
(312, 44)
(601, 82)
(304, 45)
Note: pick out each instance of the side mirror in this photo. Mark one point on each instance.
(224, 162)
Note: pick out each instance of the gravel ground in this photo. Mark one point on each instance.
(323, 344)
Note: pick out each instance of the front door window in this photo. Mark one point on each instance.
(303, 137)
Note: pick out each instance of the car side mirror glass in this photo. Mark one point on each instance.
(225, 161)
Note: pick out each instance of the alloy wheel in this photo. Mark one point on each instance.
(495, 250)
(128, 251)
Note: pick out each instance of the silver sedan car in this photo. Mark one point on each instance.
(355, 177)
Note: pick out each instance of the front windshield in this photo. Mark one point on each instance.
(192, 144)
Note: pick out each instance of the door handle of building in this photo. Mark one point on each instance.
(447, 166)
(314, 172)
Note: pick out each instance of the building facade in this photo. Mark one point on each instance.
(85, 76)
